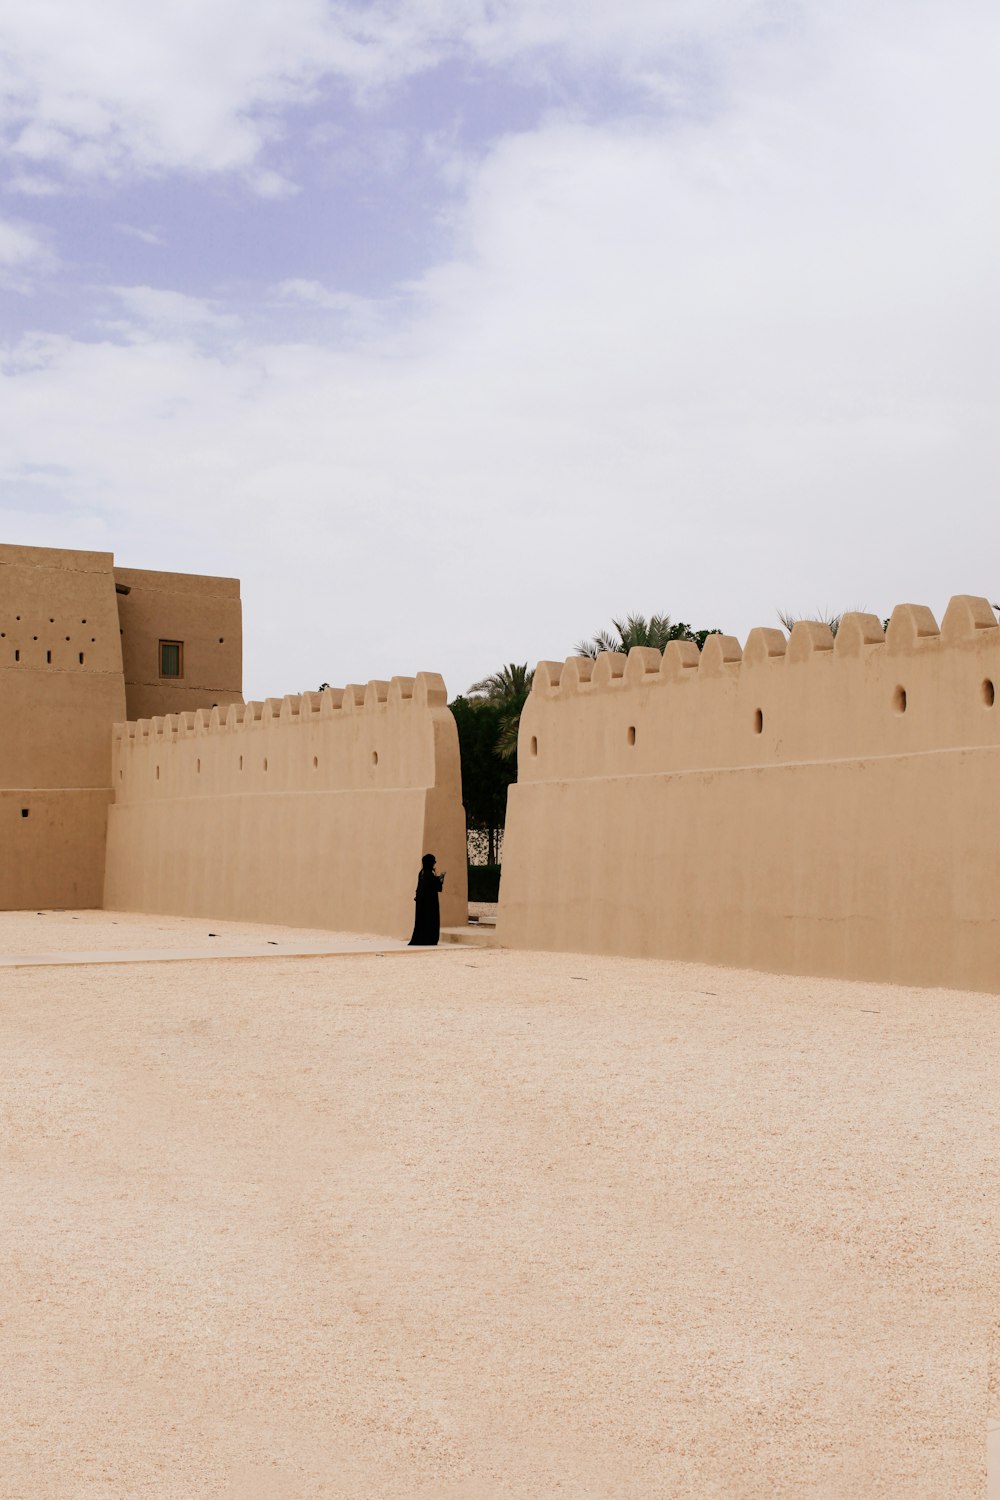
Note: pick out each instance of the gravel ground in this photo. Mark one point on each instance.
(490, 1225)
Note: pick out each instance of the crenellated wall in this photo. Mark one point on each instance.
(807, 804)
(310, 811)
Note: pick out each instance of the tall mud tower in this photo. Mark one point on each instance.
(84, 646)
(61, 689)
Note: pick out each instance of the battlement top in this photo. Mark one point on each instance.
(912, 629)
(424, 691)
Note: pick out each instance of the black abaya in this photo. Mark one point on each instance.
(427, 923)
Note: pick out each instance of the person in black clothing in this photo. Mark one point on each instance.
(427, 925)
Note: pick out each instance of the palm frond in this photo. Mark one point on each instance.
(635, 630)
(511, 682)
(820, 617)
(602, 641)
(510, 725)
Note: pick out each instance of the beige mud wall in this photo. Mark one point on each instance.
(310, 811)
(205, 615)
(61, 690)
(807, 805)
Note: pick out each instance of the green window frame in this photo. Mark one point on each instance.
(171, 658)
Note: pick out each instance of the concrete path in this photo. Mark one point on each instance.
(474, 935)
(266, 949)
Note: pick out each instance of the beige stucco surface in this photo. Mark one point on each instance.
(489, 1225)
(55, 856)
(64, 685)
(811, 805)
(60, 692)
(205, 614)
(311, 810)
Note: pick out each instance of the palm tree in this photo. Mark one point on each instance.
(511, 681)
(507, 690)
(636, 630)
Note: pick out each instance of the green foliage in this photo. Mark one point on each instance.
(485, 774)
(507, 690)
(510, 683)
(636, 630)
(484, 882)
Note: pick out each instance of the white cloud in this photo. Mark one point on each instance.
(32, 185)
(359, 317)
(152, 312)
(110, 87)
(269, 184)
(134, 232)
(716, 368)
(315, 294)
(24, 255)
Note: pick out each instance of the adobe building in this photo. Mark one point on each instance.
(134, 776)
(83, 646)
(807, 805)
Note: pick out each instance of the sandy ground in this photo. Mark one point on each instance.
(87, 931)
(490, 1225)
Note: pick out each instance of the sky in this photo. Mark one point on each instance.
(455, 329)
